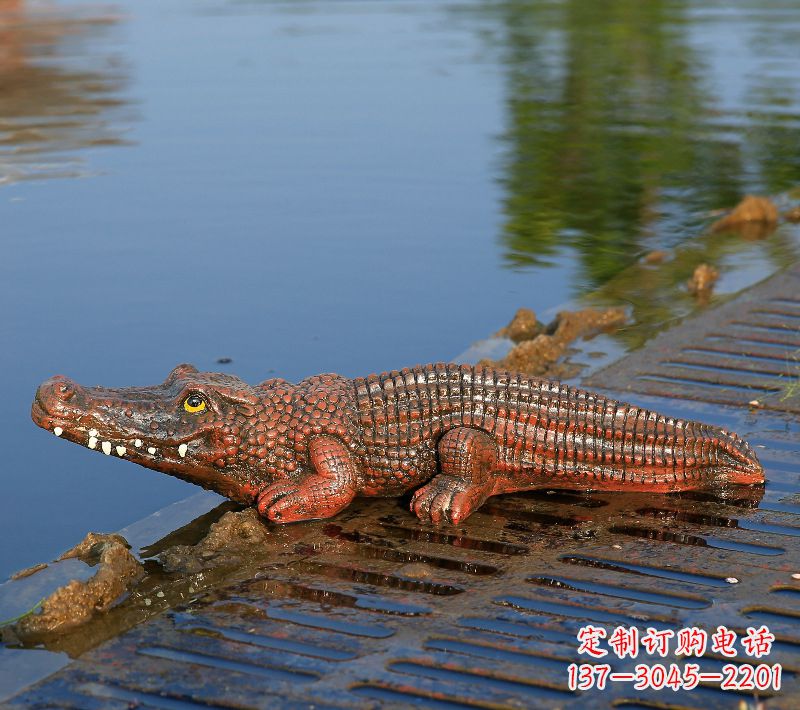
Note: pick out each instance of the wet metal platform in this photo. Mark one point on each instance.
(748, 349)
(373, 609)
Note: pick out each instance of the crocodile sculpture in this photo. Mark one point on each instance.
(304, 451)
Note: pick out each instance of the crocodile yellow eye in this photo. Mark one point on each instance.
(194, 404)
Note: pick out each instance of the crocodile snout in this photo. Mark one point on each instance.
(56, 392)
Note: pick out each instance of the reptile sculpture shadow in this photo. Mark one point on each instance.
(304, 451)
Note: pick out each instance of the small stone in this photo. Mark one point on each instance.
(752, 210)
(703, 279)
(731, 580)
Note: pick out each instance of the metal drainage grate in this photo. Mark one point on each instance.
(375, 610)
(747, 349)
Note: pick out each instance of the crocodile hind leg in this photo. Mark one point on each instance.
(467, 459)
(321, 494)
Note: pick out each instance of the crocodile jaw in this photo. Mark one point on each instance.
(102, 420)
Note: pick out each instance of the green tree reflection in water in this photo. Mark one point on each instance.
(615, 143)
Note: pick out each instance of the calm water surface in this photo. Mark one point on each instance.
(347, 186)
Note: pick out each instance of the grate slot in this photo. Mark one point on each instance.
(690, 380)
(646, 570)
(645, 596)
(201, 659)
(252, 638)
(513, 628)
(768, 326)
(495, 653)
(756, 338)
(416, 697)
(323, 595)
(665, 514)
(497, 682)
(601, 614)
(379, 579)
(712, 364)
(506, 510)
(461, 541)
(318, 621)
(561, 497)
(781, 616)
(792, 593)
(777, 312)
(374, 548)
(788, 301)
(695, 540)
(742, 353)
(139, 698)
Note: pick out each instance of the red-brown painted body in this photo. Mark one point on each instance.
(304, 451)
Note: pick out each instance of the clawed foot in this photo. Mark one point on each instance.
(288, 501)
(447, 500)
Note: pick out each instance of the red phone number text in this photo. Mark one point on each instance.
(658, 676)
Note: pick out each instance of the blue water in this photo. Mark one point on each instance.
(340, 186)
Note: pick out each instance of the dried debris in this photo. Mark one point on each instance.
(77, 602)
(229, 542)
(540, 354)
(703, 279)
(754, 217)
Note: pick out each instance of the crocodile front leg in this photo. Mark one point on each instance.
(321, 494)
(467, 457)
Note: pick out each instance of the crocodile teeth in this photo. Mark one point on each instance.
(58, 431)
(92, 442)
(151, 449)
(137, 443)
(93, 432)
(182, 450)
(106, 446)
(121, 450)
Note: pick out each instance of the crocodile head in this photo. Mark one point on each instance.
(189, 426)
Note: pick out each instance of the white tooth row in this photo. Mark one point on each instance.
(121, 450)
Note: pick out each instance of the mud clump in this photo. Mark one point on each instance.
(754, 217)
(540, 354)
(77, 602)
(523, 326)
(229, 542)
(702, 281)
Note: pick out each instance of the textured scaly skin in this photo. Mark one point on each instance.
(305, 451)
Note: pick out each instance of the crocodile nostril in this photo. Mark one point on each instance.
(65, 391)
(57, 389)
